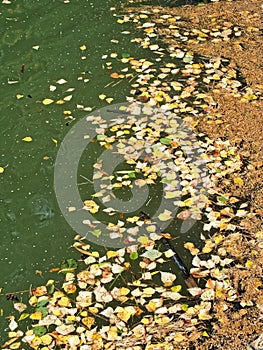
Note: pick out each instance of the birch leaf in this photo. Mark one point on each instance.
(47, 101)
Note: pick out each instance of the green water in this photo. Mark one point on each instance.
(34, 234)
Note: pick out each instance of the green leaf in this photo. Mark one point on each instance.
(39, 331)
(134, 255)
(132, 175)
(184, 307)
(125, 55)
(43, 310)
(222, 199)
(42, 303)
(96, 233)
(69, 263)
(176, 288)
(165, 141)
(51, 288)
(152, 254)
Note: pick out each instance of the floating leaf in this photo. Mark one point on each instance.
(52, 87)
(61, 81)
(102, 97)
(43, 310)
(47, 101)
(166, 215)
(23, 316)
(27, 139)
(167, 278)
(68, 98)
(13, 325)
(152, 254)
(20, 307)
(96, 233)
(39, 331)
(134, 255)
(114, 75)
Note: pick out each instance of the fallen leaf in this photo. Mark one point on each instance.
(27, 139)
(47, 101)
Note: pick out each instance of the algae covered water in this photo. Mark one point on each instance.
(42, 48)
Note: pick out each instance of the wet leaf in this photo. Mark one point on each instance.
(134, 255)
(27, 139)
(47, 101)
(152, 254)
(96, 233)
(40, 330)
(166, 215)
(61, 81)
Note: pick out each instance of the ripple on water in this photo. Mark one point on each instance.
(41, 210)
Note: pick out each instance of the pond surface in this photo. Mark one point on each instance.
(43, 42)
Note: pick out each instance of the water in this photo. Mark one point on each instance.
(34, 234)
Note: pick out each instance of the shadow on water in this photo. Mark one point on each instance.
(171, 3)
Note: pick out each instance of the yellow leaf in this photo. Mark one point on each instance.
(88, 321)
(83, 47)
(33, 300)
(249, 264)
(36, 316)
(70, 288)
(36, 47)
(27, 139)
(102, 96)
(124, 315)
(55, 141)
(151, 306)
(15, 345)
(124, 291)
(109, 99)
(113, 333)
(176, 289)
(60, 102)
(238, 181)
(111, 253)
(39, 291)
(47, 101)
(18, 96)
(178, 337)
(163, 320)
(218, 239)
(166, 215)
(1, 170)
(64, 301)
(46, 339)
